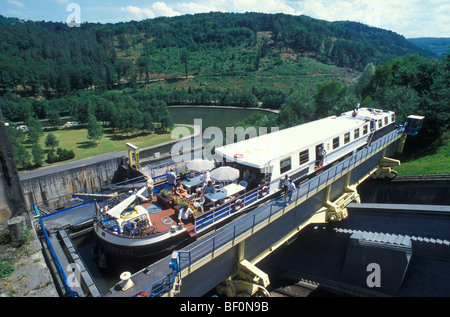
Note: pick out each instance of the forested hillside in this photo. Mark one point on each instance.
(438, 45)
(124, 75)
(53, 60)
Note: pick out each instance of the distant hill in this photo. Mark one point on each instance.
(437, 45)
(52, 60)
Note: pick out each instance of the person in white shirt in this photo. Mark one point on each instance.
(150, 185)
(205, 177)
(184, 214)
(290, 189)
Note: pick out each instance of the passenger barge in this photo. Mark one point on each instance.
(139, 226)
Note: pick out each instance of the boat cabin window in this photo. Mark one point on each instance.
(365, 129)
(386, 120)
(335, 143)
(304, 157)
(380, 123)
(356, 134)
(285, 165)
(393, 118)
(346, 137)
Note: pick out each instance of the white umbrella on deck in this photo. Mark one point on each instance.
(199, 165)
(224, 173)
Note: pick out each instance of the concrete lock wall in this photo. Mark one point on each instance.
(11, 196)
(49, 186)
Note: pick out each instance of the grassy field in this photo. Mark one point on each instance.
(436, 163)
(76, 139)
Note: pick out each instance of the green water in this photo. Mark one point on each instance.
(211, 116)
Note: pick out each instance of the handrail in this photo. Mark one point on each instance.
(55, 258)
(218, 213)
(220, 238)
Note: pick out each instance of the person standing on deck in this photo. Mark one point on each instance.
(150, 185)
(286, 183)
(290, 189)
(171, 179)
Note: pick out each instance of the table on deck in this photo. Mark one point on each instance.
(192, 182)
(224, 192)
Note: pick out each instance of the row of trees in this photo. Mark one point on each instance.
(125, 113)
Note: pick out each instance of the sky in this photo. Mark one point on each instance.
(410, 18)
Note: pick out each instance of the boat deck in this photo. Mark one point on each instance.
(161, 219)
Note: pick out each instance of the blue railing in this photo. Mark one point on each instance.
(221, 238)
(60, 270)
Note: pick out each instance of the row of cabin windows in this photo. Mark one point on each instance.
(285, 165)
(336, 142)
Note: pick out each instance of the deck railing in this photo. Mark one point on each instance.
(232, 206)
(208, 247)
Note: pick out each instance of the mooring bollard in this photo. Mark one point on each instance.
(126, 283)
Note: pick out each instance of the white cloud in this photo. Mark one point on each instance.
(162, 9)
(138, 13)
(266, 6)
(410, 18)
(192, 7)
(157, 9)
(16, 3)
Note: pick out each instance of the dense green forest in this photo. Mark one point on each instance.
(126, 74)
(53, 60)
(437, 45)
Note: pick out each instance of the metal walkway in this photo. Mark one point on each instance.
(258, 233)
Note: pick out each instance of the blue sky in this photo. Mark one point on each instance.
(411, 18)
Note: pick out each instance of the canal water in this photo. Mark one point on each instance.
(211, 116)
(221, 117)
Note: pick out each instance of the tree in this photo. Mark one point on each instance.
(51, 141)
(21, 155)
(34, 129)
(54, 118)
(184, 58)
(38, 154)
(360, 84)
(302, 103)
(327, 95)
(94, 129)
